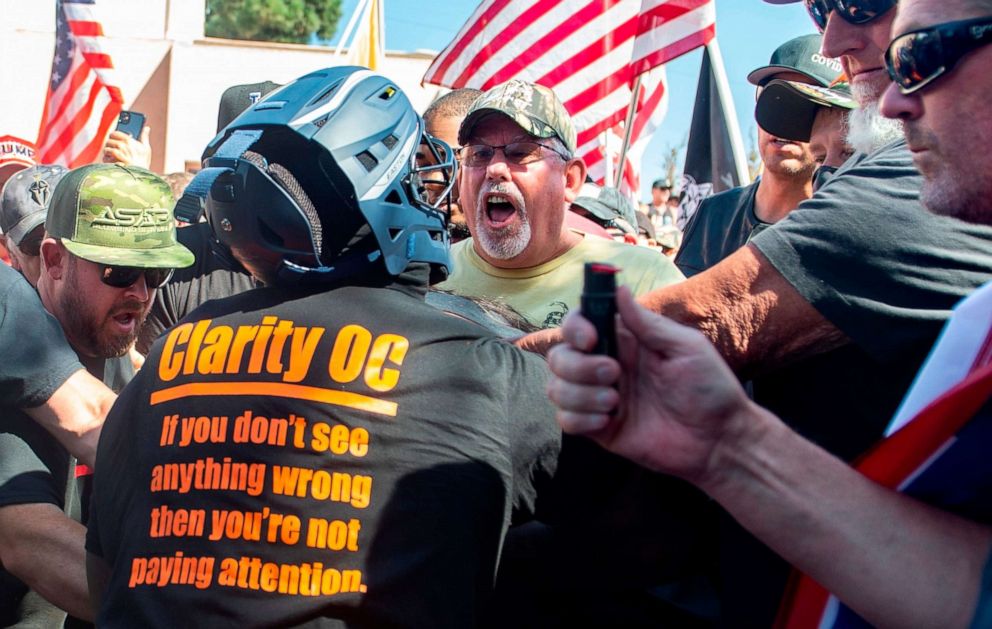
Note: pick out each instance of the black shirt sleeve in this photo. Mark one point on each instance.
(872, 260)
(535, 437)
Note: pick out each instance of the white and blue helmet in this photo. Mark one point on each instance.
(318, 182)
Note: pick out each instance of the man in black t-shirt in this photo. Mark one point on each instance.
(327, 449)
(725, 222)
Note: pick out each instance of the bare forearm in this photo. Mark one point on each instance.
(44, 549)
(896, 561)
(74, 414)
(753, 316)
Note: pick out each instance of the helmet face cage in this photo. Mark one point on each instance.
(434, 173)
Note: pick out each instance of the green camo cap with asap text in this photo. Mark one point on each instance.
(114, 214)
(534, 107)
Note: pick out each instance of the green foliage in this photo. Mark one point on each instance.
(291, 21)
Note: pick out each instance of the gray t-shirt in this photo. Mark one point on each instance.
(886, 272)
(873, 261)
(34, 468)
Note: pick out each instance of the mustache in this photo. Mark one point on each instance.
(131, 306)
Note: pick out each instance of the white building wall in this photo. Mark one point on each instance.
(164, 39)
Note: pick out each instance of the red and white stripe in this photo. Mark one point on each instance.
(581, 49)
(667, 29)
(79, 112)
(652, 105)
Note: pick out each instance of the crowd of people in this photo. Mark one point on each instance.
(341, 377)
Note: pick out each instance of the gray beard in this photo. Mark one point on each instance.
(508, 242)
(867, 129)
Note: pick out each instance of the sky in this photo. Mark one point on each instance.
(747, 30)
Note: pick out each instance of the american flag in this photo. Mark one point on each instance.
(583, 50)
(83, 99)
(935, 448)
(667, 29)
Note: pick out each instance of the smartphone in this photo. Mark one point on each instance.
(131, 123)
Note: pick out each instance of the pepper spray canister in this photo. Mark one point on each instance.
(599, 305)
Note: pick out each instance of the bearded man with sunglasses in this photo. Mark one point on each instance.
(893, 559)
(519, 176)
(110, 242)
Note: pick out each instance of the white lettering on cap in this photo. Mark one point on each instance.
(833, 64)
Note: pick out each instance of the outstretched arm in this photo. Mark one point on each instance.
(74, 414)
(42, 547)
(753, 316)
(671, 404)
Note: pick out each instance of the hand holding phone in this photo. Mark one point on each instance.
(131, 123)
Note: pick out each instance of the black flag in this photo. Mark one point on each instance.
(711, 162)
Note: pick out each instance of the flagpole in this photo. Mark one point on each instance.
(605, 140)
(727, 99)
(628, 129)
(352, 23)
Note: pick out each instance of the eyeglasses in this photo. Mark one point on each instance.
(519, 153)
(852, 11)
(917, 58)
(125, 276)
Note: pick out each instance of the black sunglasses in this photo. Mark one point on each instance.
(124, 276)
(852, 11)
(918, 58)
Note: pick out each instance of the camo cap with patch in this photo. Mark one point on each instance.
(534, 107)
(114, 214)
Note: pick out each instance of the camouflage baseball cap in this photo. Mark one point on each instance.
(114, 214)
(534, 107)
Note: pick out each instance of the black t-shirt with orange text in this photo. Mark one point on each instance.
(344, 458)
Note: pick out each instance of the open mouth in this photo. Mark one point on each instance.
(126, 320)
(499, 208)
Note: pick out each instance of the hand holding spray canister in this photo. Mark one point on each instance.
(599, 305)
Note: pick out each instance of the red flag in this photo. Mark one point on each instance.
(667, 29)
(582, 49)
(83, 100)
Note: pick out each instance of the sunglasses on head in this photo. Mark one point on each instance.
(852, 11)
(125, 276)
(917, 58)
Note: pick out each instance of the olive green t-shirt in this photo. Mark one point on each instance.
(544, 294)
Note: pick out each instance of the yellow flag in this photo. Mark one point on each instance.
(368, 45)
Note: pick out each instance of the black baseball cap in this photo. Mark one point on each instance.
(801, 55)
(787, 109)
(238, 98)
(25, 199)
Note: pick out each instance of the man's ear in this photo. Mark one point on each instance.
(575, 176)
(54, 258)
